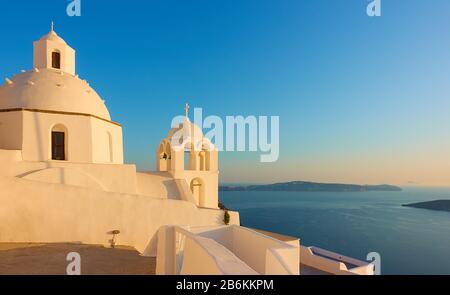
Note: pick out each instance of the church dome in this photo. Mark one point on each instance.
(51, 90)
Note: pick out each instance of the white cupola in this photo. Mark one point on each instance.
(52, 52)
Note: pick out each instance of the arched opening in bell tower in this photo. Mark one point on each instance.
(56, 59)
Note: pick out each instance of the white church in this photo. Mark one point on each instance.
(63, 180)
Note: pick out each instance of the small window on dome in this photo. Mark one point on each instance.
(56, 60)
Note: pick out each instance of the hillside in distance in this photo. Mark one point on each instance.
(304, 186)
(438, 205)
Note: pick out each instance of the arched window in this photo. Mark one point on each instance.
(56, 60)
(59, 143)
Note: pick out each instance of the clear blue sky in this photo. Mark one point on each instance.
(360, 99)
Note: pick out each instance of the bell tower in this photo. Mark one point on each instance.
(52, 52)
(188, 156)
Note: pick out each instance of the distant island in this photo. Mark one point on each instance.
(439, 205)
(304, 186)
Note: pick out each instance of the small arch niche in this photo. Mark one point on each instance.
(198, 192)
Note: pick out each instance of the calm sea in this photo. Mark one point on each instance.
(409, 240)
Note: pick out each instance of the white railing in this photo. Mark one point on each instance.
(183, 252)
(264, 253)
(228, 250)
(334, 263)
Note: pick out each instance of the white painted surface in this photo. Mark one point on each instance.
(37, 212)
(334, 263)
(225, 250)
(52, 90)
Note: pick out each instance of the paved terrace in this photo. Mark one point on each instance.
(50, 259)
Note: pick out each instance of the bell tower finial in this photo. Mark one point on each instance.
(52, 26)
